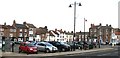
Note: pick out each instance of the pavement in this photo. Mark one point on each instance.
(57, 53)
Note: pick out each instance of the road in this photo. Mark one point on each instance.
(95, 54)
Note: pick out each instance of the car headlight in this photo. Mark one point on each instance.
(31, 49)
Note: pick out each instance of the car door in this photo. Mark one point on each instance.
(22, 46)
(25, 47)
(41, 46)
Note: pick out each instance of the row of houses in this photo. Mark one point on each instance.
(29, 32)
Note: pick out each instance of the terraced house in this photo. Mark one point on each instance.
(21, 31)
(41, 33)
(32, 31)
(8, 32)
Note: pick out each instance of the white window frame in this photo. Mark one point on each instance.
(20, 35)
(20, 30)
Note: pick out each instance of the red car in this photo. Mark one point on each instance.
(28, 48)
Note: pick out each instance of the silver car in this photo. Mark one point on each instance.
(46, 47)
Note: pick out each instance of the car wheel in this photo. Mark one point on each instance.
(47, 51)
(36, 53)
(27, 52)
(63, 49)
(20, 50)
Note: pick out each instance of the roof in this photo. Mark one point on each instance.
(20, 26)
(51, 34)
(3, 26)
(103, 27)
(55, 32)
(68, 33)
(31, 25)
(60, 31)
(82, 33)
(10, 27)
(41, 31)
(117, 33)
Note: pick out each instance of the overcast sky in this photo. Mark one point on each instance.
(57, 14)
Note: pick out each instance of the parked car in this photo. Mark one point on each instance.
(46, 47)
(94, 44)
(61, 45)
(74, 45)
(28, 48)
(87, 45)
(79, 44)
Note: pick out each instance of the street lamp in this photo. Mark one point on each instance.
(79, 4)
(84, 28)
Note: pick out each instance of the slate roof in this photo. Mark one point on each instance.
(41, 31)
(82, 33)
(55, 32)
(10, 27)
(21, 26)
(51, 34)
(68, 33)
(3, 26)
(61, 31)
(31, 25)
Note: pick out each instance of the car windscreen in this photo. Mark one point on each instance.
(63, 43)
(48, 44)
(30, 45)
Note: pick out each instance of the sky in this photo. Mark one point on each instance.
(56, 13)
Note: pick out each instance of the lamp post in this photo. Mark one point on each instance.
(79, 4)
(84, 28)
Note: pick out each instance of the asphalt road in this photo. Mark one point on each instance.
(96, 54)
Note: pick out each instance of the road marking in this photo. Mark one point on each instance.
(104, 54)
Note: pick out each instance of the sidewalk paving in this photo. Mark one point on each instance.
(54, 54)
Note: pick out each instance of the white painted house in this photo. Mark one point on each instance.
(57, 35)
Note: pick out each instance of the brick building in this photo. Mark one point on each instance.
(21, 31)
(102, 33)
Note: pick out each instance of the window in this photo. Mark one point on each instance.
(95, 30)
(25, 30)
(41, 44)
(106, 30)
(11, 35)
(67, 36)
(1, 34)
(20, 30)
(20, 34)
(57, 35)
(25, 34)
(30, 29)
(79, 36)
(90, 30)
(12, 30)
(1, 29)
(95, 35)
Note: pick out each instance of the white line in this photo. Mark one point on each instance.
(104, 54)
